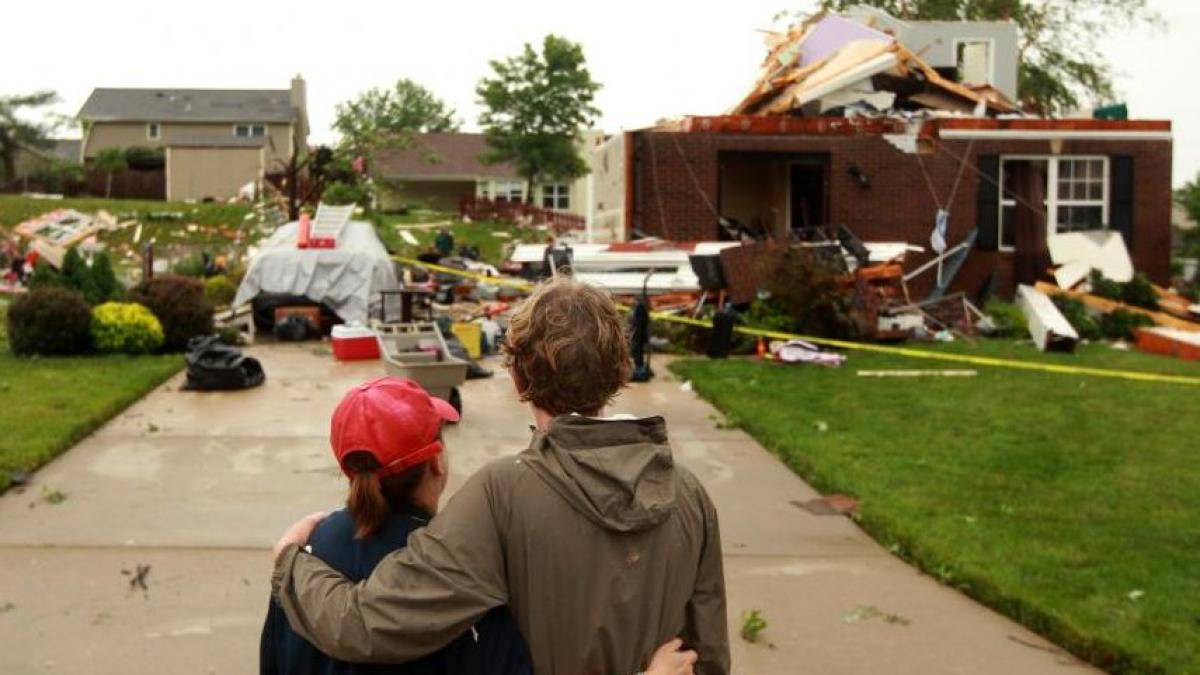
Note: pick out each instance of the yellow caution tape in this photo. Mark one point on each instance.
(909, 352)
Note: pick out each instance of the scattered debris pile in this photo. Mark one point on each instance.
(831, 64)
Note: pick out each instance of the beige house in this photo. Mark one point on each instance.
(438, 169)
(215, 140)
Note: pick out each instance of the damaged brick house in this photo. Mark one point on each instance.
(853, 129)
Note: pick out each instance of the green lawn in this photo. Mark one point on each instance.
(47, 404)
(1070, 503)
(480, 233)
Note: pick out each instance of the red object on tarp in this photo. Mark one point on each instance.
(354, 343)
(303, 232)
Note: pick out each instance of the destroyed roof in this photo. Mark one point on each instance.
(831, 62)
(440, 155)
(189, 105)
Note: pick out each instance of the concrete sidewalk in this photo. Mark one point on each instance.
(198, 486)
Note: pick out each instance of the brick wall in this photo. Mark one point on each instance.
(674, 180)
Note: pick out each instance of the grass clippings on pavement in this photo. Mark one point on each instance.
(1070, 503)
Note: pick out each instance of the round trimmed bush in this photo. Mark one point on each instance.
(125, 328)
(49, 320)
(219, 290)
(179, 304)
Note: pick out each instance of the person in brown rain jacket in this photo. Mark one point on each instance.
(599, 544)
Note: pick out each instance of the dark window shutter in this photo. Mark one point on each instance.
(987, 203)
(1120, 196)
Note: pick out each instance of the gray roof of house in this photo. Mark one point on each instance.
(188, 105)
(217, 142)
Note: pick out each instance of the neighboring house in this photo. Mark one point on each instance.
(215, 140)
(30, 160)
(436, 170)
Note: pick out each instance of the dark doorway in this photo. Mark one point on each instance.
(807, 195)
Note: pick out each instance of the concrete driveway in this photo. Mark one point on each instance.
(197, 487)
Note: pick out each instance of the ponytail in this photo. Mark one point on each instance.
(367, 504)
(372, 499)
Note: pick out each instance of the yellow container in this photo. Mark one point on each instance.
(470, 335)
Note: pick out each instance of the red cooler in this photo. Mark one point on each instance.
(354, 343)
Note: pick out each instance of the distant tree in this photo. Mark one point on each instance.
(1188, 197)
(110, 160)
(535, 106)
(1060, 45)
(16, 132)
(381, 116)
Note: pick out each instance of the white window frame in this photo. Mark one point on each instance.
(1051, 191)
(505, 189)
(153, 131)
(558, 194)
(250, 127)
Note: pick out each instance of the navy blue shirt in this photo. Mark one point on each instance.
(493, 645)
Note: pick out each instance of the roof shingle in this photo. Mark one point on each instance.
(440, 155)
(188, 105)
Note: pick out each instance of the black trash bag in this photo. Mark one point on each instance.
(215, 366)
(721, 340)
(293, 328)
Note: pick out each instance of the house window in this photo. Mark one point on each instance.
(1076, 194)
(1081, 194)
(510, 191)
(482, 190)
(556, 196)
(249, 130)
(153, 131)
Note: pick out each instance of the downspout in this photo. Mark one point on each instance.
(627, 216)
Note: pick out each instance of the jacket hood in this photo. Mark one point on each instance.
(619, 473)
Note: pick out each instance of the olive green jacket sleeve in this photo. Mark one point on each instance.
(416, 601)
(706, 629)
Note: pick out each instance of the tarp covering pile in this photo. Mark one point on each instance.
(346, 279)
(831, 61)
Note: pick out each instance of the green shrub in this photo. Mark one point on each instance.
(44, 275)
(191, 266)
(179, 304)
(1078, 316)
(1120, 324)
(219, 290)
(125, 328)
(101, 284)
(1138, 291)
(1008, 317)
(49, 320)
(338, 193)
(74, 270)
(807, 287)
(767, 313)
(1103, 286)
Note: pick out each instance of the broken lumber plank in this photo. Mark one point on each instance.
(1105, 305)
(1049, 329)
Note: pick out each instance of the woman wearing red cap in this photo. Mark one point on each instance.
(386, 436)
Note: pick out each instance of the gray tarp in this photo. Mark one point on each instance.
(347, 279)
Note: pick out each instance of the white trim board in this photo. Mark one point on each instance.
(1066, 134)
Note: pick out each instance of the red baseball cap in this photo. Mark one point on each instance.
(393, 419)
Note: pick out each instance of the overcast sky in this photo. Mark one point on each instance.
(655, 58)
